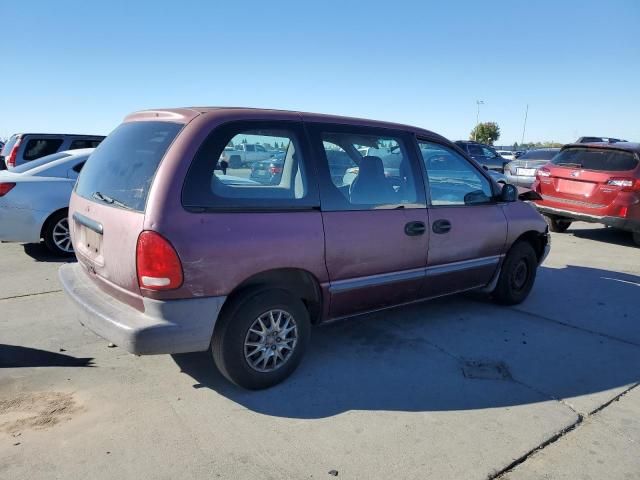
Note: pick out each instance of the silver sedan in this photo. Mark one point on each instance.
(34, 198)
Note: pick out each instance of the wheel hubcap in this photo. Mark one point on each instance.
(61, 236)
(270, 341)
(520, 275)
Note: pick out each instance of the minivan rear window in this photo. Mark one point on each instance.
(121, 169)
(599, 159)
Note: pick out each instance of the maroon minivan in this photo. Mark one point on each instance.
(175, 255)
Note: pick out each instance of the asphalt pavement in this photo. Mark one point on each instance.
(457, 388)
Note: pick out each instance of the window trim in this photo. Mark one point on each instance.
(328, 189)
(469, 160)
(310, 201)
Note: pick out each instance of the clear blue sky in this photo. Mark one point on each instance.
(80, 66)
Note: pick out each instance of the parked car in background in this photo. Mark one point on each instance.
(246, 154)
(507, 154)
(26, 147)
(34, 198)
(599, 140)
(267, 171)
(598, 183)
(522, 172)
(171, 259)
(485, 155)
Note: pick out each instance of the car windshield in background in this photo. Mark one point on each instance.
(539, 155)
(597, 159)
(8, 146)
(121, 169)
(39, 162)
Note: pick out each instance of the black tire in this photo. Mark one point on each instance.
(235, 161)
(50, 233)
(557, 225)
(636, 238)
(232, 328)
(517, 275)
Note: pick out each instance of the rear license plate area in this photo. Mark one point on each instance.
(526, 172)
(89, 244)
(574, 188)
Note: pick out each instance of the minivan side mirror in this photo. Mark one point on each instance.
(509, 193)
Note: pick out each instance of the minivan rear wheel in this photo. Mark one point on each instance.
(636, 238)
(557, 225)
(261, 337)
(517, 275)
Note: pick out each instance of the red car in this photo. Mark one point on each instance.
(598, 183)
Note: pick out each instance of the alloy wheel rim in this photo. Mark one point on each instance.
(271, 340)
(62, 237)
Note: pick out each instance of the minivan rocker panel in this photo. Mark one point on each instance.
(176, 256)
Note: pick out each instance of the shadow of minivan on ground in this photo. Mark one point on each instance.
(412, 358)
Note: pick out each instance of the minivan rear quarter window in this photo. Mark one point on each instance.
(120, 171)
(598, 159)
(277, 179)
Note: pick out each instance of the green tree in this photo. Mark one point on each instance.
(486, 132)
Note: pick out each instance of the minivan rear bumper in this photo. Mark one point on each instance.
(172, 326)
(615, 222)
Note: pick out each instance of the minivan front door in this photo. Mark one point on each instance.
(374, 215)
(468, 229)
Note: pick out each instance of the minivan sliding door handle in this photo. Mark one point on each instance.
(414, 229)
(441, 226)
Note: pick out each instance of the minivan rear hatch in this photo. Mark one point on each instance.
(587, 176)
(107, 208)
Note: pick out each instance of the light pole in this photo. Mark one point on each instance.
(524, 126)
(478, 103)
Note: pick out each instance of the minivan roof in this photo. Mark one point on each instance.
(186, 114)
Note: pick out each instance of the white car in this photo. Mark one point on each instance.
(34, 199)
(507, 154)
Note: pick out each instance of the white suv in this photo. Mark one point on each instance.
(25, 147)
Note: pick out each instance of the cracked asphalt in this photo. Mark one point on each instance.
(456, 388)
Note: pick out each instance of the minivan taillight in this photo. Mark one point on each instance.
(5, 188)
(158, 264)
(627, 184)
(543, 172)
(11, 159)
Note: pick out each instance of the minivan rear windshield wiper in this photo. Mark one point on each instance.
(111, 201)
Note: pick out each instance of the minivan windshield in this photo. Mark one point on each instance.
(121, 169)
(599, 159)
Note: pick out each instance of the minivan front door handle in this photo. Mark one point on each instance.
(441, 226)
(414, 229)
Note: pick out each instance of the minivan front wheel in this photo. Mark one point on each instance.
(261, 337)
(517, 275)
(557, 225)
